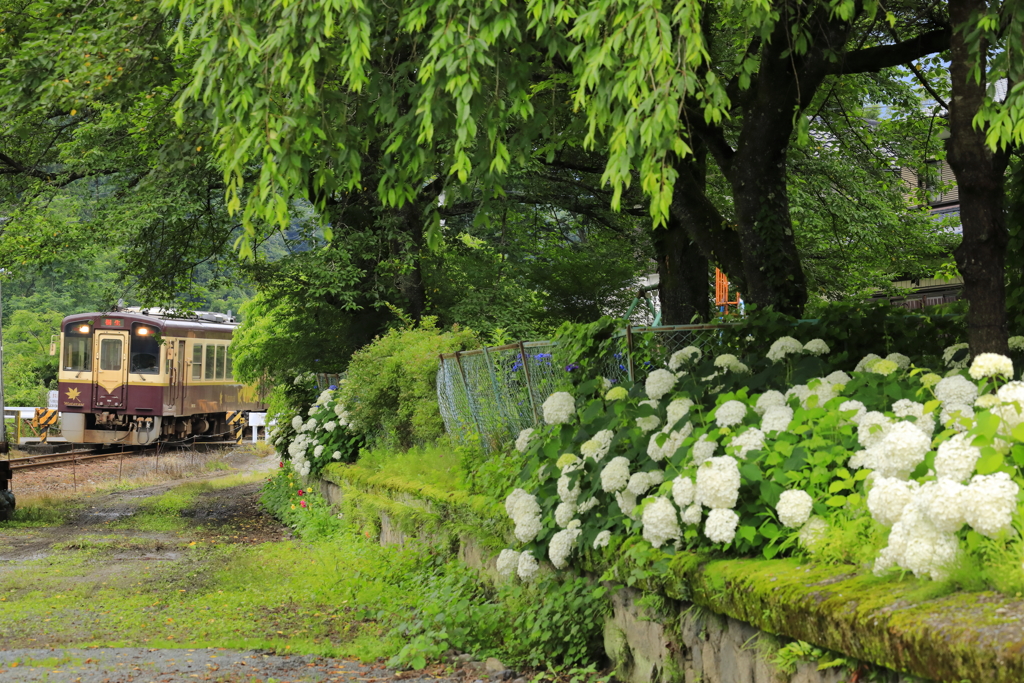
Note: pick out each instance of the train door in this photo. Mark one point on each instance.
(111, 376)
(181, 375)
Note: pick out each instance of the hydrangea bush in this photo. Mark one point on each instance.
(322, 436)
(694, 458)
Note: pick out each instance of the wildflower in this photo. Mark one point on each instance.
(721, 526)
(816, 347)
(689, 354)
(659, 383)
(782, 347)
(990, 365)
(559, 408)
(616, 394)
(730, 413)
(660, 522)
(794, 508)
(302, 503)
(301, 492)
(281, 463)
(507, 563)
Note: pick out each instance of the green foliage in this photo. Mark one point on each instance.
(555, 621)
(1015, 248)
(324, 437)
(300, 508)
(390, 393)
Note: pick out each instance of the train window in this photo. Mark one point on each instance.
(197, 362)
(144, 351)
(230, 373)
(110, 354)
(220, 361)
(78, 347)
(211, 358)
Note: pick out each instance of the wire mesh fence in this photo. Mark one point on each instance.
(491, 394)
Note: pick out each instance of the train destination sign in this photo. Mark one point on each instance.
(113, 322)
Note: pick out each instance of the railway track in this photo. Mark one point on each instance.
(74, 457)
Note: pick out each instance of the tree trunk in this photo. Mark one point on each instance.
(979, 177)
(683, 282)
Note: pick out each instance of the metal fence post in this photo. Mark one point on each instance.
(629, 353)
(529, 382)
(469, 399)
(494, 385)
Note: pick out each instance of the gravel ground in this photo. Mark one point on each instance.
(113, 665)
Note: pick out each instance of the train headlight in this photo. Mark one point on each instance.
(143, 331)
(84, 329)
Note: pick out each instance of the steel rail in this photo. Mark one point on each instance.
(73, 457)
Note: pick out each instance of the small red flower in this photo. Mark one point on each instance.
(281, 463)
(302, 503)
(301, 492)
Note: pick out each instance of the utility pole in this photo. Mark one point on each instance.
(7, 501)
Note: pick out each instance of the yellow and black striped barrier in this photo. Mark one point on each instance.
(44, 419)
(237, 422)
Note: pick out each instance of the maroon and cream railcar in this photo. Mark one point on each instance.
(135, 377)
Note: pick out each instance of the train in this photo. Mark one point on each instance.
(139, 376)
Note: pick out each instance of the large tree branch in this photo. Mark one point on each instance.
(884, 56)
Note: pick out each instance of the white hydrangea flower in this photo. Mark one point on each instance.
(1012, 392)
(525, 512)
(598, 447)
(564, 514)
(677, 410)
(691, 515)
(336, 456)
(512, 501)
(956, 458)
(943, 502)
(1016, 343)
(318, 451)
(566, 492)
(777, 419)
(955, 415)
(951, 351)
(685, 355)
(297, 422)
(659, 383)
(823, 389)
(816, 347)
(989, 503)
(673, 441)
(703, 449)
(587, 505)
(627, 503)
(794, 508)
(987, 401)
(883, 367)
(905, 447)
(528, 566)
(720, 526)
(905, 408)
(782, 347)
(660, 521)
(730, 413)
(990, 365)
(527, 528)
(866, 362)
(812, 533)
(888, 498)
(508, 562)
(602, 539)
(838, 377)
(769, 399)
(559, 408)
(641, 482)
(802, 393)
(615, 475)
(616, 394)
(728, 361)
(872, 428)
(324, 397)
(330, 426)
(902, 362)
(718, 483)
(682, 491)
(751, 439)
(648, 424)
(524, 438)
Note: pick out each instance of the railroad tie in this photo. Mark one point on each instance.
(44, 419)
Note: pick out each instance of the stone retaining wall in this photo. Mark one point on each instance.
(682, 642)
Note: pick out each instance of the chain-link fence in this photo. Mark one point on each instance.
(492, 394)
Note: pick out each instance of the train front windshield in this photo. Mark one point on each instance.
(145, 350)
(78, 347)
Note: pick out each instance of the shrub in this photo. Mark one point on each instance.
(390, 393)
(695, 459)
(323, 437)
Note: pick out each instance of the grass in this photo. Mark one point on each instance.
(435, 465)
(41, 511)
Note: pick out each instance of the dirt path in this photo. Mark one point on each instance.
(180, 581)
